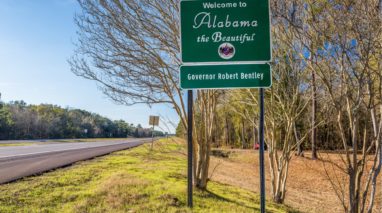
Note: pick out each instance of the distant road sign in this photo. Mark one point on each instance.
(225, 76)
(225, 31)
(154, 120)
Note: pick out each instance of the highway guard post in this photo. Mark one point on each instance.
(225, 44)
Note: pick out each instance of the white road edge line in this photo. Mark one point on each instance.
(62, 150)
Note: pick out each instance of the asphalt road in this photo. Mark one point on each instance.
(20, 161)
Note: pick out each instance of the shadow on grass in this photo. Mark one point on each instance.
(219, 197)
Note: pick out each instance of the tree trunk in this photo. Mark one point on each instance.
(206, 102)
(300, 152)
(352, 196)
(314, 110)
(374, 181)
(227, 131)
(255, 136)
(280, 182)
(243, 134)
(204, 167)
(355, 172)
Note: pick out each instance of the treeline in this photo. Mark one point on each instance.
(19, 120)
(235, 125)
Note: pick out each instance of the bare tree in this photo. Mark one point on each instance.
(205, 118)
(286, 103)
(131, 49)
(344, 40)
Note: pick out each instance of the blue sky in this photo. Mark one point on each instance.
(36, 40)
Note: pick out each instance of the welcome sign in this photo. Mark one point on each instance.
(225, 31)
(225, 44)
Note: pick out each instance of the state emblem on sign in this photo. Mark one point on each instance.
(226, 51)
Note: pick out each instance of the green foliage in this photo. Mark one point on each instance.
(6, 122)
(180, 131)
(21, 121)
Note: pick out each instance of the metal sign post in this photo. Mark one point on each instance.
(152, 137)
(261, 154)
(190, 149)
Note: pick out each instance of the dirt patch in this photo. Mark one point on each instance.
(220, 153)
(308, 188)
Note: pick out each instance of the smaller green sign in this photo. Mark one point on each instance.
(225, 76)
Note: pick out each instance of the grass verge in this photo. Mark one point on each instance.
(136, 180)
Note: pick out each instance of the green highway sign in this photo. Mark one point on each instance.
(225, 31)
(225, 44)
(225, 76)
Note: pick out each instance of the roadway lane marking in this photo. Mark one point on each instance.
(63, 150)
